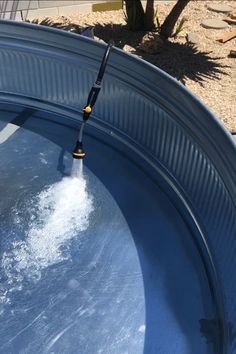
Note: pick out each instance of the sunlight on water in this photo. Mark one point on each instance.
(58, 214)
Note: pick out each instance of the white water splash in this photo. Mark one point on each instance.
(58, 214)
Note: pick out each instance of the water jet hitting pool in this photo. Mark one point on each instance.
(53, 214)
(77, 168)
(53, 224)
(79, 152)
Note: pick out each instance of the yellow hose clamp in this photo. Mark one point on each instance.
(87, 109)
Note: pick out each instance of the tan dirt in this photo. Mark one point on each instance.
(205, 68)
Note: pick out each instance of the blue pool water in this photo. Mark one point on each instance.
(98, 263)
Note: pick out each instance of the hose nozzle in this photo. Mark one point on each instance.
(78, 152)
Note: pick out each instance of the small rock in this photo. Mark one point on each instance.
(192, 38)
(220, 8)
(151, 43)
(99, 39)
(232, 53)
(128, 48)
(214, 24)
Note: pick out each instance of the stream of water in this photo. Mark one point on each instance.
(56, 216)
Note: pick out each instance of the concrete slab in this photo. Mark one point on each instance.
(214, 24)
(17, 15)
(74, 9)
(192, 38)
(53, 11)
(55, 3)
(7, 15)
(21, 5)
(220, 8)
(82, 2)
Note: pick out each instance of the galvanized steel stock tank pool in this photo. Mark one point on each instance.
(137, 255)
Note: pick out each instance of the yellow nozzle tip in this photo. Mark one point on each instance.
(87, 109)
(79, 154)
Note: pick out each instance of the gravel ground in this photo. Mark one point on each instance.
(205, 68)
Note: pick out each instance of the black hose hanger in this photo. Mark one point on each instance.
(78, 152)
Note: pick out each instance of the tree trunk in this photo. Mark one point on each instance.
(149, 15)
(168, 25)
(135, 15)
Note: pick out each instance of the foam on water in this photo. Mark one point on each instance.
(58, 214)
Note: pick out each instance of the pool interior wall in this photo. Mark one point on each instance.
(132, 282)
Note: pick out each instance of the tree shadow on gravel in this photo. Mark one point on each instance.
(182, 61)
(119, 33)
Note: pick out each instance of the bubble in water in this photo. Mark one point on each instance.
(73, 284)
(58, 214)
(142, 329)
